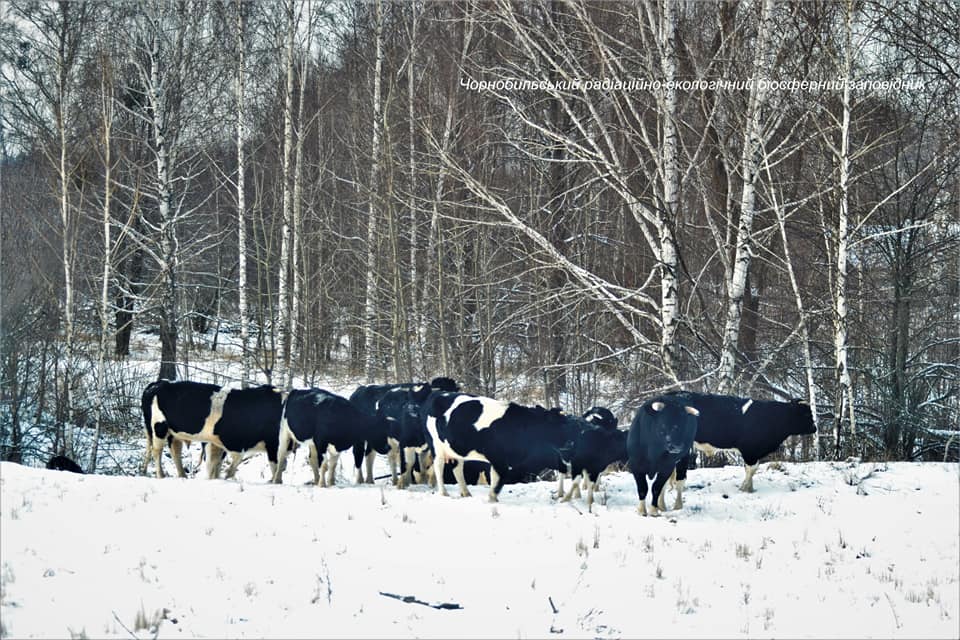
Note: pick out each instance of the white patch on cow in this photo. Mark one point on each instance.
(491, 410)
(418, 388)
(692, 411)
(590, 417)
(657, 406)
(746, 405)
(156, 415)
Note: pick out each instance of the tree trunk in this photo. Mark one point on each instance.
(370, 297)
(242, 202)
(750, 165)
(283, 283)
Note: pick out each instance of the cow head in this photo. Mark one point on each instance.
(801, 422)
(443, 383)
(674, 423)
(601, 416)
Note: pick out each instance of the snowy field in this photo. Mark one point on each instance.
(820, 550)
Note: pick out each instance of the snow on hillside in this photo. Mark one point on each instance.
(820, 550)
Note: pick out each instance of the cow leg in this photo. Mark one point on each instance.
(235, 460)
(333, 457)
(393, 458)
(575, 489)
(574, 483)
(657, 497)
(461, 482)
(409, 456)
(147, 454)
(494, 480)
(427, 476)
(370, 457)
(640, 477)
(314, 464)
(496, 484)
(438, 474)
(747, 485)
(176, 452)
(214, 458)
(157, 451)
(592, 487)
(283, 446)
(560, 494)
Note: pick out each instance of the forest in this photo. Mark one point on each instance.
(560, 201)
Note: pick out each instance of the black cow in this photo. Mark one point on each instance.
(595, 449)
(515, 440)
(63, 463)
(660, 436)
(235, 421)
(755, 428)
(390, 401)
(328, 424)
(601, 416)
(599, 445)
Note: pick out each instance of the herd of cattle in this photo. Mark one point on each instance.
(434, 433)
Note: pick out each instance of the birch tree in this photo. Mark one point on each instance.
(240, 96)
(370, 292)
(750, 163)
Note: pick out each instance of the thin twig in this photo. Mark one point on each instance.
(125, 628)
(552, 606)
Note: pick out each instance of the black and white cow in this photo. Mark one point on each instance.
(515, 440)
(235, 421)
(63, 463)
(660, 436)
(328, 424)
(755, 428)
(399, 403)
(601, 417)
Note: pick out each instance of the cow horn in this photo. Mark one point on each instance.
(692, 411)
(657, 406)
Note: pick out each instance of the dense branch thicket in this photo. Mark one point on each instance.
(568, 202)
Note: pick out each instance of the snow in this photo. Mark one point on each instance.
(820, 550)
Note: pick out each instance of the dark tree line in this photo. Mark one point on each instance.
(288, 191)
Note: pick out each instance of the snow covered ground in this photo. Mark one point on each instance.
(820, 550)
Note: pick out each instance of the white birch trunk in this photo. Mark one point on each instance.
(168, 240)
(282, 357)
(750, 165)
(295, 252)
(669, 306)
(844, 393)
(369, 308)
(106, 105)
(67, 237)
(242, 203)
(416, 355)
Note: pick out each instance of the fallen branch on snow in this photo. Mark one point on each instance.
(414, 600)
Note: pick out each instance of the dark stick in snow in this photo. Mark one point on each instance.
(413, 599)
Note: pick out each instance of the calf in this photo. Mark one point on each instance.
(595, 449)
(660, 436)
(754, 428)
(235, 421)
(514, 439)
(599, 442)
(328, 424)
(391, 401)
(63, 463)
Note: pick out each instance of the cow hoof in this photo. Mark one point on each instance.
(493, 499)
(465, 494)
(654, 512)
(642, 509)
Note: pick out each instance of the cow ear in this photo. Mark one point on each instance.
(692, 411)
(657, 406)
